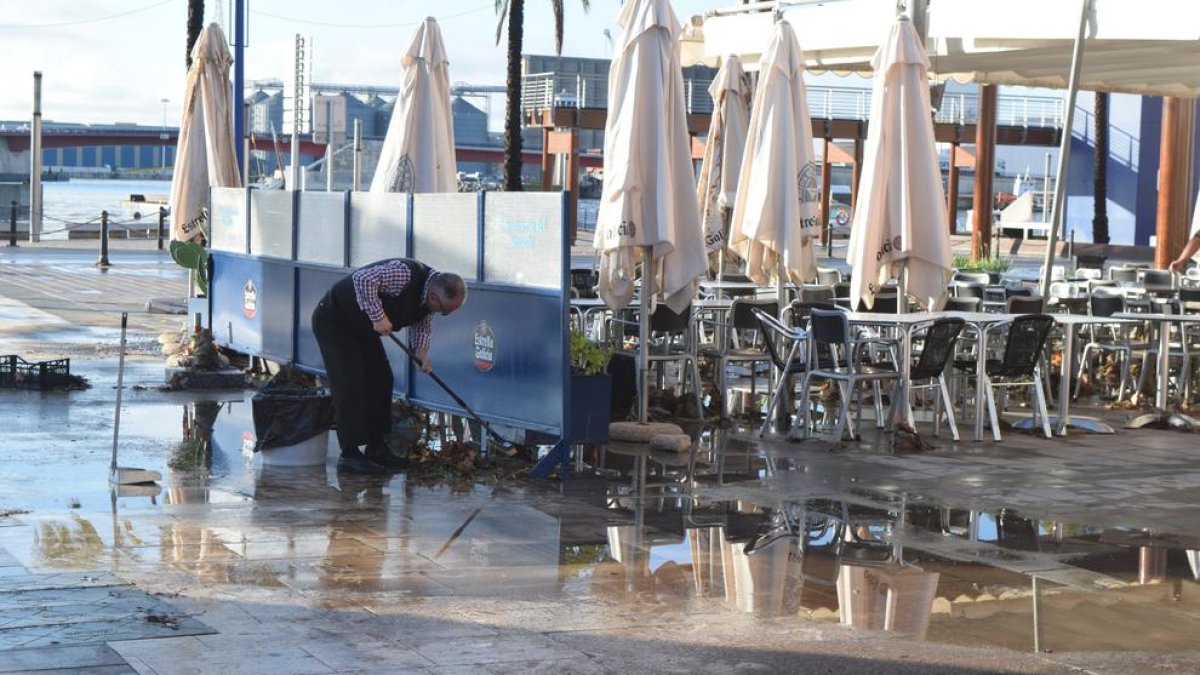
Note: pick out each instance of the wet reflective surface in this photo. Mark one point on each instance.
(1030, 545)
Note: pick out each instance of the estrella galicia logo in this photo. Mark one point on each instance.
(484, 346)
(892, 246)
(249, 299)
(807, 184)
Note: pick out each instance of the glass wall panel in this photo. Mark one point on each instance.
(378, 226)
(322, 228)
(271, 223)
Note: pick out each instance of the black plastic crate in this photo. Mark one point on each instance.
(17, 373)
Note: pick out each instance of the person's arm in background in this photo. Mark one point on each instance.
(1189, 250)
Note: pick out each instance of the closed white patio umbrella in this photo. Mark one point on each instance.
(900, 217)
(647, 209)
(205, 156)
(717, 187)
(418, 151)
(775, 216)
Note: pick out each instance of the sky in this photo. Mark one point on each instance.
(107, 61)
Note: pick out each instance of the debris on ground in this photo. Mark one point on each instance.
(197, 351)
(171, 621)
(4, 513)
(460, 464)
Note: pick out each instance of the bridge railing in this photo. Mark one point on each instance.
(569, 90)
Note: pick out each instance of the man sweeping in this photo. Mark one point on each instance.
(348, 323)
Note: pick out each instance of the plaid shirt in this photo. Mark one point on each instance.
(390, 277)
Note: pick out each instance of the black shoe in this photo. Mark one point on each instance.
(381, 455)
(355, 462)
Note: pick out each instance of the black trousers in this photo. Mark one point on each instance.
(360, 378)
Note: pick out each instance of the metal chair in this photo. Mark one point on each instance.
(797, 313)
(938, 342)
(743, 342)
(827, 276)
(1107, 339)
(1020, 366)
(964, 289)
(833, 355)
(670, 341)
(1159, 283)
(1026, 304)
(784, 345)
(962, 304)
(1123, 275)
(816, 294)
(1180, 350)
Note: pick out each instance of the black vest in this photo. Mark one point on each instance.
(402, 310)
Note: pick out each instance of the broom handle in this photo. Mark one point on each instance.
(457, 399)
(120, 387)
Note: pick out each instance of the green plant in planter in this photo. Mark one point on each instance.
(965, 263)
(587, 357)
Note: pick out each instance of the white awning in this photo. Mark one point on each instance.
(1144, 47)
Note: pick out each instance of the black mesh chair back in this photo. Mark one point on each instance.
(969, 290)
(816, 293)
(663, 320)
(1158, 278)
(1100, 304)
(829, 329)
(741, 312)
(828, 277)
(1026, 337)
(801, 311)
(841, 289)
(737, 292)
(884, 304)
(940, 338)
(1189, 295)
(1123, 274)
(962, 304)
(1026, 304)
(1018, 291)
(584, 281)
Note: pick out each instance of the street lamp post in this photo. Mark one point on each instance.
(163, 136)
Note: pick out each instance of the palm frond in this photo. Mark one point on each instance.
(557, 6)
(502, 10)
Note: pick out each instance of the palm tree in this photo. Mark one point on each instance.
(195, 22)
(514, 12)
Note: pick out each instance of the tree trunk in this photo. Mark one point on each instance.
(1100, 233)
(195, 22)
(512, 108)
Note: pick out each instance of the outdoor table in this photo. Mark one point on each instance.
(982, 322)
(716, 287)
(1060, 422)
(908, 323)
(1163, 322)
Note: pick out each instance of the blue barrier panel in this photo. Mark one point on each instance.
(252, 307)
(493, 353)
(236, 283)
(312, 282)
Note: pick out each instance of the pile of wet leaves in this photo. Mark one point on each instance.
(461, 464)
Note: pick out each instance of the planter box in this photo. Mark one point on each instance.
(590, 409)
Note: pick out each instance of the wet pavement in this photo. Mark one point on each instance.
(1029, 555)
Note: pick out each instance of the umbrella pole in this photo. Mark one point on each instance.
(644, 333)
(1064, 152)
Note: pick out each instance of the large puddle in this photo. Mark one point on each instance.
(634, 536)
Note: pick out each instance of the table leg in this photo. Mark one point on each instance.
(1064, 380)
(981, 381)
(1164, 362)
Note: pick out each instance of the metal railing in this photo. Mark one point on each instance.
(573, 90)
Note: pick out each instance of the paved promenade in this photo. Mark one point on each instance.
(234, 567)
